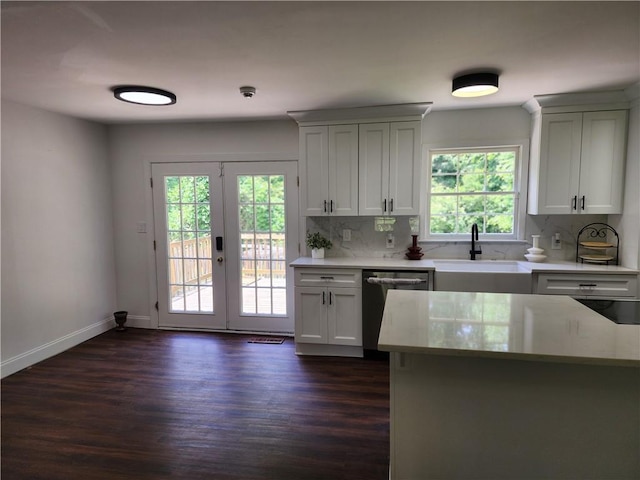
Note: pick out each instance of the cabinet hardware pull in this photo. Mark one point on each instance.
(588, 285)
(330, 298)
(582, 203)
(331, 207)
(385, 204)
(323, 298)
(324, 209)
(325, 278)
(574, 202)
(391, 205)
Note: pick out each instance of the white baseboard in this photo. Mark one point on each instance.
(328, 350)
(139, 321)
(33, 356)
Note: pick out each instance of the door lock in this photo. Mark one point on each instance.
(219, 259)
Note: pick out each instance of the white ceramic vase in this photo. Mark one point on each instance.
(535, 253)
(317, 253)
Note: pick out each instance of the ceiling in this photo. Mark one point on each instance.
(66, 56)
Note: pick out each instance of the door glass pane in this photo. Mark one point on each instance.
(261, 215)
(189, 240)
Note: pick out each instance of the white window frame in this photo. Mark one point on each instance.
(521, 180)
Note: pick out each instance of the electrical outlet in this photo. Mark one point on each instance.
(391, 242)
(346, 235)
(556, 243)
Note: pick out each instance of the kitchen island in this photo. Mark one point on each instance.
(506, 386)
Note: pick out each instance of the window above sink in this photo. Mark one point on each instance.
(482, 184)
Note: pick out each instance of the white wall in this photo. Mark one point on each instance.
(628, 224)
(58, 271)
(476, 125)
(132, 147)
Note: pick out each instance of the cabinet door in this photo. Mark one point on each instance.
(373, 169)
(344, 317)
(602, 162)
(343, 170)
(405, 158)
(314, 170)
(559, 175)
(311, 315)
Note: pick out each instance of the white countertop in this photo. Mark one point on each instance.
(501, 325)
(404, 264)
(365, 263)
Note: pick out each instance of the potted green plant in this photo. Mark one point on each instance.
(317, 243)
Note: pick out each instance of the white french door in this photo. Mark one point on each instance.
(188, 216)
(225, 233)
(261, 215)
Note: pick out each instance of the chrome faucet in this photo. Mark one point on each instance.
(474, 238)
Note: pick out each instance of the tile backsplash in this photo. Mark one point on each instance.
(369, 241)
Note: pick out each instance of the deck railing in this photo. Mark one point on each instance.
(262, 254)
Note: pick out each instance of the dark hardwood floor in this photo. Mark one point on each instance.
(149, 404)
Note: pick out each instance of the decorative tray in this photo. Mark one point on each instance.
(596, 244)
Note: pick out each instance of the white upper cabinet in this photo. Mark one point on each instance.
(604, 137)
(361, 161)
(390, 160)
(329, 170)
(314, 170)
(577, 160)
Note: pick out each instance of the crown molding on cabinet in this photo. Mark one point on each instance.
(578, 102)
(390, 113)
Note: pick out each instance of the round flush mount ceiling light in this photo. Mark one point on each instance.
(475, 85)
(143, 95)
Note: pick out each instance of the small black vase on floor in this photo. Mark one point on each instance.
(121, 319)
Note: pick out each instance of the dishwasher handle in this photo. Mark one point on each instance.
(395, 281)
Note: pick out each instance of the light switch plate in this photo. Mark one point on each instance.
(346, 235)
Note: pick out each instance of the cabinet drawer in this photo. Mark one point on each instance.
(588, 285)
(320, 277)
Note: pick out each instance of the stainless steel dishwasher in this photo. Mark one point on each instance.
(375, 285)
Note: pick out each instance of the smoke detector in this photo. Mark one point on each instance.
(247, 92)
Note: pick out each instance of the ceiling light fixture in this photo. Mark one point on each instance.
(144, 95)
(475, 85)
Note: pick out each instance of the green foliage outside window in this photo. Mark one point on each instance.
(473, 186)
(261, 203)
(260, 199)
(188, 209)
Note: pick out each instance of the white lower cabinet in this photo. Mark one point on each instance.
(328, 311)
(607, 286)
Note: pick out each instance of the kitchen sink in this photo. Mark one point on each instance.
(494, 276)
(489, 266)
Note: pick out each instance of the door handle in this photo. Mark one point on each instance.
(219, 259)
